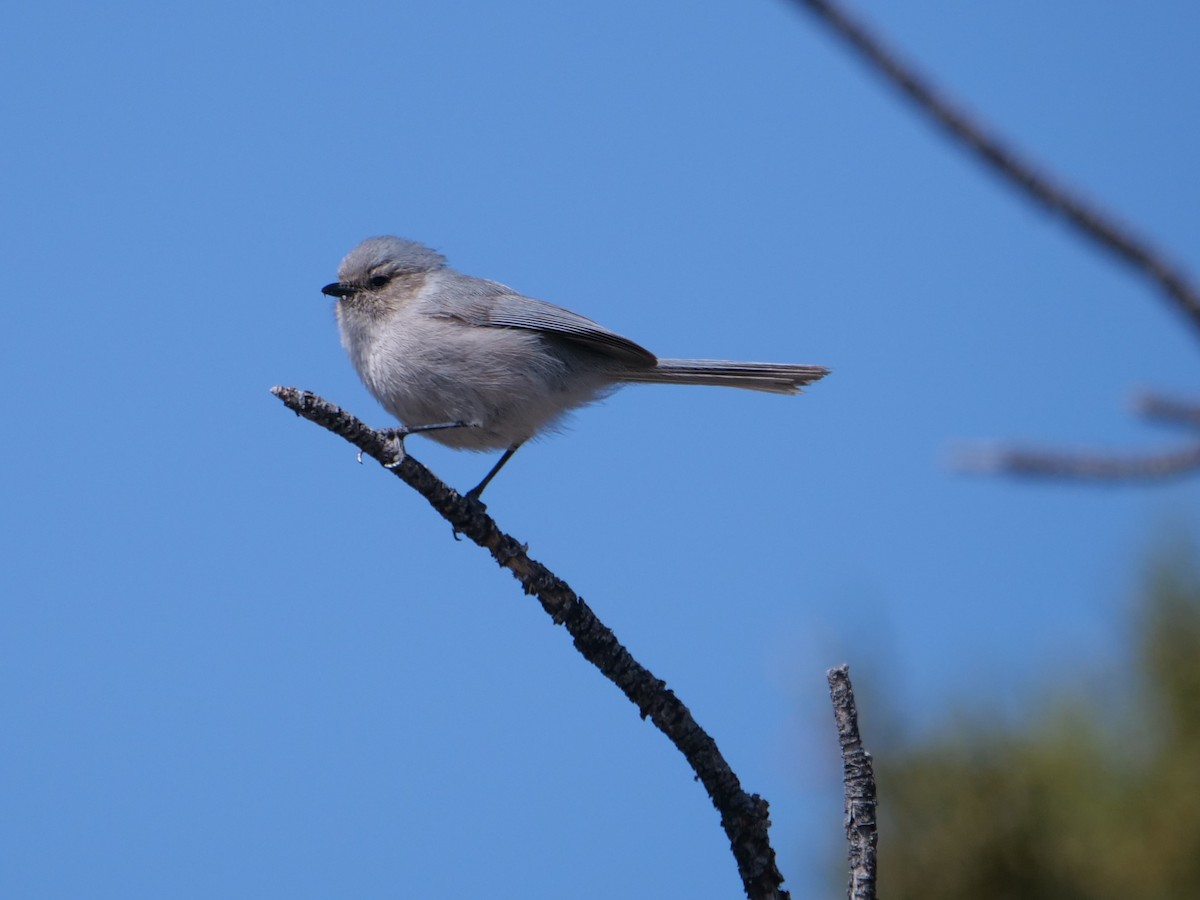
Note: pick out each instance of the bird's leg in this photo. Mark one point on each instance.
(473, 493)
(395, 437)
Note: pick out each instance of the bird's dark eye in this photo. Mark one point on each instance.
(378, 281)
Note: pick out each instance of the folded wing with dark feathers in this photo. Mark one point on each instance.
(492, 305)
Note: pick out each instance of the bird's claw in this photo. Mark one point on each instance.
(395, 444)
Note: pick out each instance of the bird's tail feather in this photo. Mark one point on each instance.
(775, 378)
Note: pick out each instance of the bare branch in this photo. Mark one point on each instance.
(1079, 466)
(1020, 172)
(858, 777)
(1168, 409)
(743, 816)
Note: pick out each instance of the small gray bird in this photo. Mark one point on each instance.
(480, 367)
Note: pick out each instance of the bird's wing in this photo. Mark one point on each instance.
(493, 305)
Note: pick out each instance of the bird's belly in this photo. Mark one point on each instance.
(502, 383)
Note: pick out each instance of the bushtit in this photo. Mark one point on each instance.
(480, 367)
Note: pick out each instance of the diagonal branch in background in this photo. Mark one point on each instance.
(1085, 218)
(743, 816)
(858, 780)
(1020, 172)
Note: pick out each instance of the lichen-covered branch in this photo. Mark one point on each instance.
(743, 816)
(858, 779)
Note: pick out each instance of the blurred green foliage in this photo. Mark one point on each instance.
(1069, 805)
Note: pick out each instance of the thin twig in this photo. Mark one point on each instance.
(1168, 409)
(743, 816)
(1086, 218)
(858, 777)
(1079, 466)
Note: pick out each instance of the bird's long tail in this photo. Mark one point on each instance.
(775, 378)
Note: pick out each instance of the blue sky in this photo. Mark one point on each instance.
(235, 663)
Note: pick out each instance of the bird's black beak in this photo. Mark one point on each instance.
(339, 289)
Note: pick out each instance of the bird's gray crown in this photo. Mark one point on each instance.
(387, 256)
